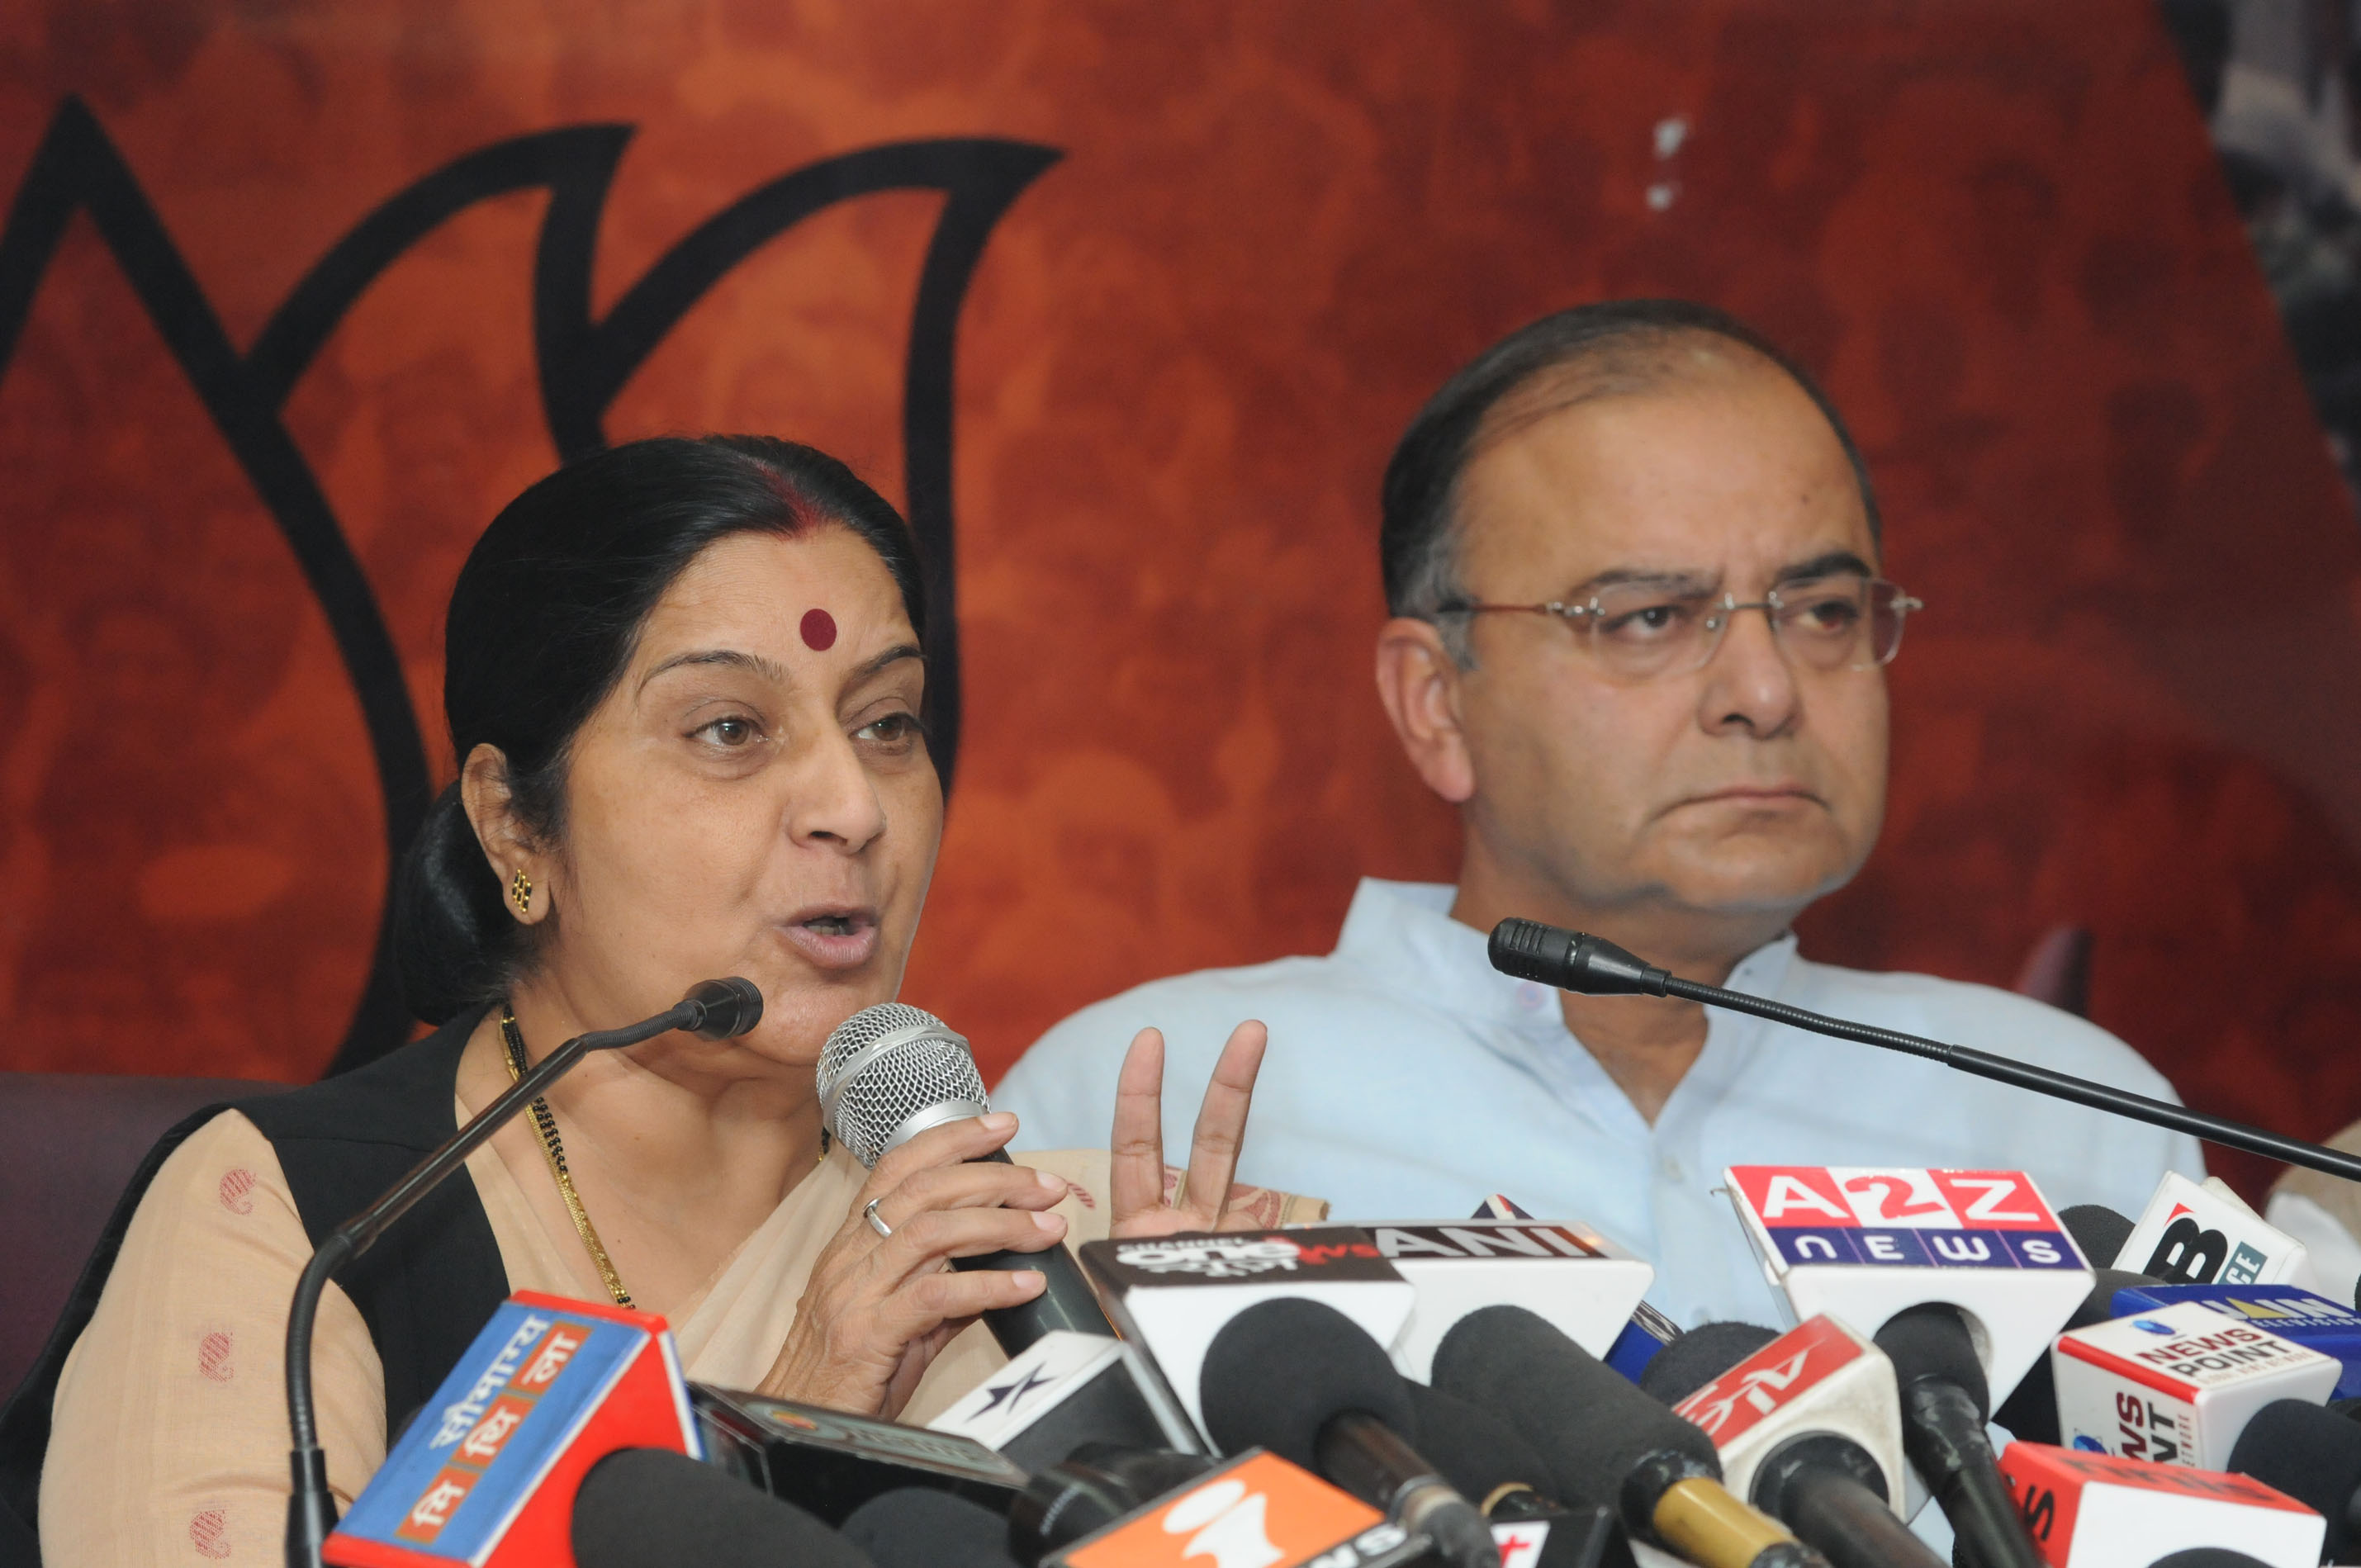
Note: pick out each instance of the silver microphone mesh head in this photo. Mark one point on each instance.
(889, 1072)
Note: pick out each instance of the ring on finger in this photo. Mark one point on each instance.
(869, 1212)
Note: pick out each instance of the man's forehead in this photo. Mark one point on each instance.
(1730, 476)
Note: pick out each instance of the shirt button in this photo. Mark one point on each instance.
(1529, 996)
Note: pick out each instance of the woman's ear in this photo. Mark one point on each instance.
(523, 870)
(1418, 682)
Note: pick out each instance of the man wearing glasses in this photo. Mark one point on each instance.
(1639, 636)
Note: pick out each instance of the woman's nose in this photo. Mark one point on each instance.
(834, 801)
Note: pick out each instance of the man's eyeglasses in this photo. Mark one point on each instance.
(1639, 630)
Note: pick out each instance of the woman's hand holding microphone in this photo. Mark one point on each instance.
(883, 1299)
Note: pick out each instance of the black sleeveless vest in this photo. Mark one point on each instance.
(424, 1291)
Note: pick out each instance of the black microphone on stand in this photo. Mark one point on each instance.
(1575, 960)
(713, 1010)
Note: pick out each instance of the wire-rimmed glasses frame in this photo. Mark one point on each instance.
(1641, 629)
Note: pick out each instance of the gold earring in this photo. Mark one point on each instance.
(520, 892)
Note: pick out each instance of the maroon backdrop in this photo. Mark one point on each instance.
(1250, 239)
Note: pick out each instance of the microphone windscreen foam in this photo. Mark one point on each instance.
(2311, 1454)
(2208, 1557)
(1931, 1340)
(1700, 1356)
(650, 1507)
(1282, 1370)
(1473, 1449)
(2099, 1230)
(1586, 1421)
(2099, 1306)
(917, 1527)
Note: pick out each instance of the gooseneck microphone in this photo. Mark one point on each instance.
(713, 1010)
(891, 1072)
(1578, 961)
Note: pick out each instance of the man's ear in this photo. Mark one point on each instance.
(523, 870)
(1418, 681)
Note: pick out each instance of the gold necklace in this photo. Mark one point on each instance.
(512, 1052)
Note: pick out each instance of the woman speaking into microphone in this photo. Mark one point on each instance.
(684, 681)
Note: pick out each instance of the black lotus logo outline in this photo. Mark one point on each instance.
(581, 365)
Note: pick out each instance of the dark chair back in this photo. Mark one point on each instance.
(68, 1145)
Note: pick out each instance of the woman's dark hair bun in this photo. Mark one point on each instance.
(542, 621)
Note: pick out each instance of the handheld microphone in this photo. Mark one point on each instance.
(1299, 1378)
(2099, 1230)
(650, 1507)
(1607, 1444)
(2177, 1386)
(1483, 1457)
(1575, 960)
(891, 1072)
(1809, 1430)
(918, 1527)
(1945, 1403)
(489, 1472)
(1487, 1460)
(2312, 1455)
(713, 1010)
(2094, 1510)
(1697, 1358)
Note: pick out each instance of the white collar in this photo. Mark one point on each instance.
(1402, 935)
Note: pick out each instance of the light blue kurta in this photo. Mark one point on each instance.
(1408, 1079)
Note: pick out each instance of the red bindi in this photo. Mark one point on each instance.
(819, 631)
